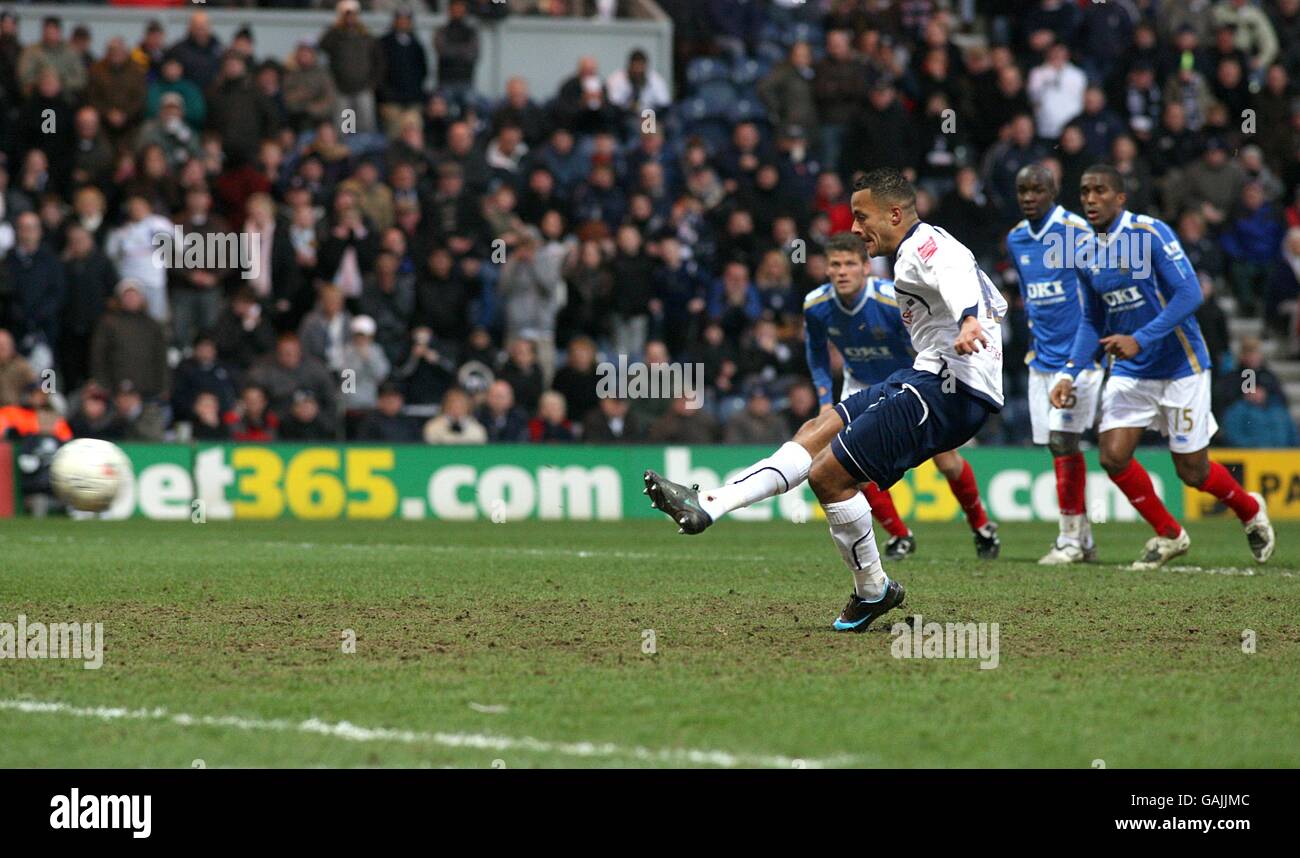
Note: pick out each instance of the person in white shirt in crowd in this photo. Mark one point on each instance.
(137, 248)
(1056, 89)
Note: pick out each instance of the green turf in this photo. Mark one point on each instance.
(542, 625)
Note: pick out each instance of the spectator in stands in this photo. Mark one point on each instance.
(243, 333)
(196, 289)
(401, 90)
(252, 419)
(171, 81)
(199, 53)
(309, 93)
(1258, 420)
(1251, 242)
(287, 370)
(455, 44)
(684, 424)
(93, 415)
(455, 425)
(612, 423)
(15, 372)
(52, 53)
(757, 424)
(364, 365)
(387, 424)
(93, 154)
(202, 372)
(551, 425)
(576, 381)
(1214, 327)
(169, 130)
(304, 421)
(802, 406)
(133, 249)
(38, 285)
(206, 424)
(1056, 89)
(355, 62)
(636, 87)
(240, 110)
(529, 292)
(504, 421)
(130, 347)
(117, 89)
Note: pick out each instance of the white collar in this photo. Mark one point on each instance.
(1054, 217)
(867, 288)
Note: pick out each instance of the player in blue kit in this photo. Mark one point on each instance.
(859, 315)
(1140, 298)
(1038, 247)
(952, 314)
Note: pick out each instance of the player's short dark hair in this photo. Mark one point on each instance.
(846, 242)
(1113, 177)
(888, 185)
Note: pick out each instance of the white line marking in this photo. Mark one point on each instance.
(479, 741)
(583, 554)
(488, 708)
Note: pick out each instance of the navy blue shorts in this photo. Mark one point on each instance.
(899, 423)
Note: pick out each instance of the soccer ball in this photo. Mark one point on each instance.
(87, 473)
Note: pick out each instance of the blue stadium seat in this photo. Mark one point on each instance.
(772, 52)
(747, 110)
(749, 72)
(719, 95)
(705, 69)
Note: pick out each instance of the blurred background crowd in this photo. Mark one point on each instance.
(436, 265)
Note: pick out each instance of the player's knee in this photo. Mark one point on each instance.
(827, 477)
(1063, 443)
(807, 430)
(950, 465)
(1114, 461)
(1192, 472)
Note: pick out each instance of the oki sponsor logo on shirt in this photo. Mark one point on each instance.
(1122, 300)
(1047, 291)
(867, 352)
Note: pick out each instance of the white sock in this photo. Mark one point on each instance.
(850, 523)
(778, 473)
(1075, 530)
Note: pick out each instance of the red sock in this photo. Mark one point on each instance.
(1221, 484)
(1071, 483)
(1135, 483)
(967, 492)
(882, 507)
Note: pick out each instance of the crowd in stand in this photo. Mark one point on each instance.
(419, 262)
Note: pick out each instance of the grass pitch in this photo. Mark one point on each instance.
(524, 644)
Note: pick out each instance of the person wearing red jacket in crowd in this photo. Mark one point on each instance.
(252, 418)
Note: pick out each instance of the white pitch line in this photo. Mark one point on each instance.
(478, 741)
(582, 554)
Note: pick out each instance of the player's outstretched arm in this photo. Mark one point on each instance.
(1175, 279)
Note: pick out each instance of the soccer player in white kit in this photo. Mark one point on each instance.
(953, 316)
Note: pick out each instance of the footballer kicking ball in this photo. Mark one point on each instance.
(87, 473)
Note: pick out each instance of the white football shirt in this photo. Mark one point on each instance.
(937, 282)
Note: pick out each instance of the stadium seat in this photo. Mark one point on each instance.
(749, 72)
(719, 96)
(705, 69)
